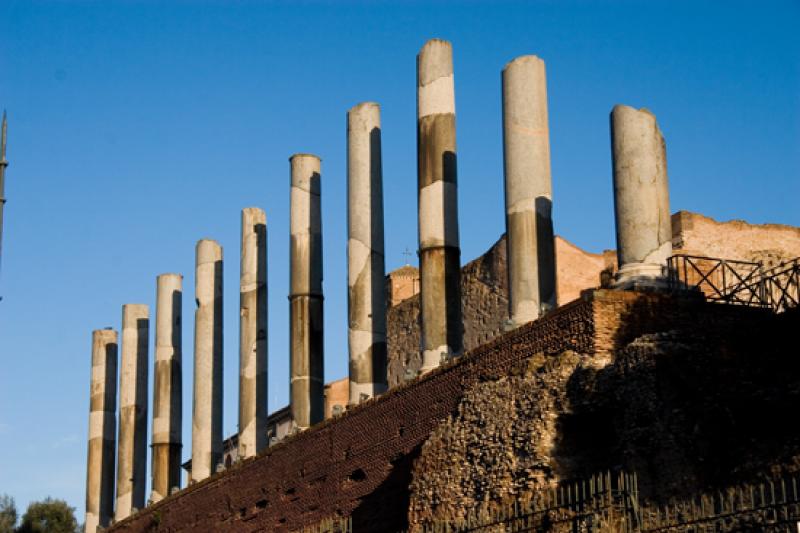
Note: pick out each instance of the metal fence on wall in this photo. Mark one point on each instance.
(610, 503)
(738, 282)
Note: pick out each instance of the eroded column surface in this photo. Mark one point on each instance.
(253, 334)
(366, 291)
(529, 223)
(305, 297)
(641, 198)
(132, 440)
(207, 399)
(439, 252)
(167, 387)
(102, 431)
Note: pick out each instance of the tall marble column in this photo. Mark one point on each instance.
(528, 187)
(167, 387)
(253, 334)
(132, 440)
(102, 431)
(207, 403)
(366, 292)
(305, 297)
(439, 252)
(641, 199)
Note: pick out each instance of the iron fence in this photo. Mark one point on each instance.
(738, 282)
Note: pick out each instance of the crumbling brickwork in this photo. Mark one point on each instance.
(770, 244)
(360, 464)
(690, 395)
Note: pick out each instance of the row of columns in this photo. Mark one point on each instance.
(643, 239)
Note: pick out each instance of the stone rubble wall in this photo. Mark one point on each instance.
(560, 372)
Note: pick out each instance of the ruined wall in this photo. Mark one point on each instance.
(485, 284)
(690, 400)
(357, 464)
(484, 308)
(360, 464)
(696, 234)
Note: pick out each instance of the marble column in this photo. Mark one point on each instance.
(102, 431)
(528, 187)
(207, 400)
(167, 387)
(366, 303)
(253, 334)
(439, 252)
(132, 440)
(641, 199)
(305, 298)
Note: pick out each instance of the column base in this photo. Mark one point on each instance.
(641, 276)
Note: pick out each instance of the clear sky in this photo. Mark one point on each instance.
(137, 128)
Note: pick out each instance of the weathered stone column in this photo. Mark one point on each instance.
(366, 302)
(253, 334)
(305, 297)
(439, 252)
(102, 431)
(207, 404)
(529, 223)
(167, 387)
(132, 440)
(641, 199)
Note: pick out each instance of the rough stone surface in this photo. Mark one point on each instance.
(661, 404)
(622, 379)
(770, 244)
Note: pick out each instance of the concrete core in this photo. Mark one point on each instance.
(207, 405)
(102, 431)
(528, 189)
(307, 395)
(439, 251)
(167, 387)
(132, 440)
(366, 301)
(253, 334)
(641, 199)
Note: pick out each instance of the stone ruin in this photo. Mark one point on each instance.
(533, 364)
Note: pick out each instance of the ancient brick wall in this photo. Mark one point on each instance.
(361, 464)
(696, 234)
(358, 464)
(484, 306)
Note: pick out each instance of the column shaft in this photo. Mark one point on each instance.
(102, 431)
(439, 252)
(167, 387)
(529, 223)
(132, 441)
(366, 292)
(641, 198)
(207, 399)
(305, 297)
(253, 334)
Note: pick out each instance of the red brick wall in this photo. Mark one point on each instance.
(359, 464)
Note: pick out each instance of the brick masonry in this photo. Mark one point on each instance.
(360, 464)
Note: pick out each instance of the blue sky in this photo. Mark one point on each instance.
(137, 128)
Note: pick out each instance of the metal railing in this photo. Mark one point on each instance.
(738, 282)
